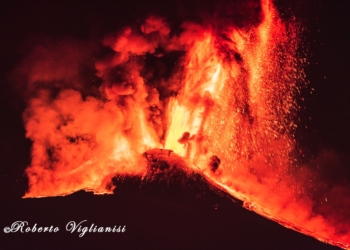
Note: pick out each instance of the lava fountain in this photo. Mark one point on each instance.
(226, 106)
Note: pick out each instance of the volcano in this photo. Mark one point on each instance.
(169, 208)
(173, 107)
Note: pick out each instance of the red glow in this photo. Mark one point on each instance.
(230, 117)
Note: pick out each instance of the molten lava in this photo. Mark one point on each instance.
(227, 109)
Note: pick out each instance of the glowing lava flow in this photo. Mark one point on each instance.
(236, 107)
(230, 115)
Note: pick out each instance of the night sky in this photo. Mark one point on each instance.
(168, 217)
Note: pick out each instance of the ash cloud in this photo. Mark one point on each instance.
(86, 117)
(55, 65)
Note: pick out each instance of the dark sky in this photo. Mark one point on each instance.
(325, 41)
(328, 40)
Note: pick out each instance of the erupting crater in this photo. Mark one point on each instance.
(216, 101)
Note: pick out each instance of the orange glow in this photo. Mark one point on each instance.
(229, 116)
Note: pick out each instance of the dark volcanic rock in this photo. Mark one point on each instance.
(169, 176)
